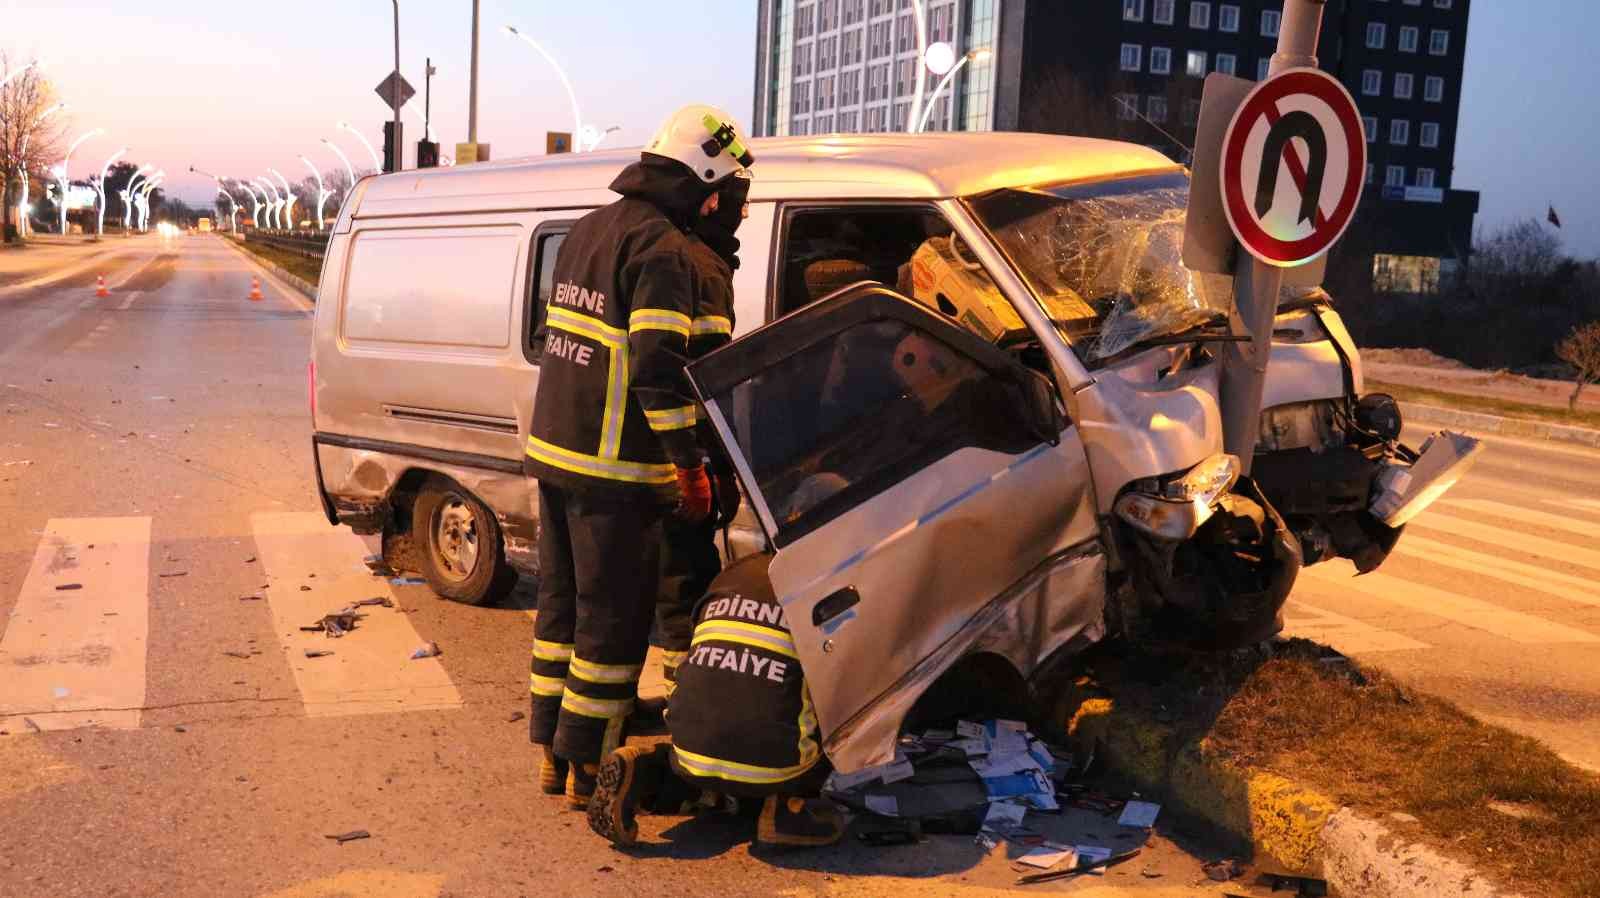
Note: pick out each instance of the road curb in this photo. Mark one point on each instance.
(1499, 426)
(1289, 828)
(301, 285)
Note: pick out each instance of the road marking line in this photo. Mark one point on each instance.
(1348, 635)
(1580, 504)
(1555, 583)
(1486, 616)
(370, 671)
(128, 300)
(1508, 539)
(67, 652)
(1527, 516)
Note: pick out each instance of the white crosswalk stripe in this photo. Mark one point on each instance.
(1555, 583)
(1579, 504)
(1353, 637)
(1565, 523)
(1507, 538)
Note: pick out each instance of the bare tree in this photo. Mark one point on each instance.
(27, 140)
(1581, 350)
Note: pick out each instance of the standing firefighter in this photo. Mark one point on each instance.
(612, 440)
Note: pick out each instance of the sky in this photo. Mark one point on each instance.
(235, 88)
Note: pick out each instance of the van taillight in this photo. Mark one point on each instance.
(311, 389)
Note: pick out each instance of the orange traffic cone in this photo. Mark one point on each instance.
(255, 289)
(100, 288)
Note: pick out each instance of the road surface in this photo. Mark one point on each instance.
(166, 733)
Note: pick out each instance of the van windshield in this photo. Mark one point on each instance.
(1111, 251)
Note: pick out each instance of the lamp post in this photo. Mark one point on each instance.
(233, 209)
(978, 55)
(472, 90)
(127, 197)
(22, 153)
(322, 192)
(348, 170)
(288, 197)
(100, 188)
(577, 118)
(144, 199)
(255, 213)
(7, 79)
(61, 171)
(377, 161)
(273, 203)
(591, 136)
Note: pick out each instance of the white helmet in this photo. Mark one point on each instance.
(704, 138)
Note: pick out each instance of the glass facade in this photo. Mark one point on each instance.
(976, 104)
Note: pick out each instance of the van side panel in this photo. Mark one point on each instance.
(393, 295)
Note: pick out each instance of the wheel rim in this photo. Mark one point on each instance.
(455, 538)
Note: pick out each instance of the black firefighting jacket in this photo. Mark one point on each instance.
(613, 410)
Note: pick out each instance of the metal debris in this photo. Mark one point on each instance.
(244, 655)
(176, 574)
(64, 587)
(382, 601)
(350, 836)
(317, 653)
(336, 624)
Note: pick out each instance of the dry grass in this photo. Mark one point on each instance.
(300, 266)
(1487, 405)
(1360, 738)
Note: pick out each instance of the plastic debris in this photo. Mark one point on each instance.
(1139, 814)
(409, 581)
(350, 836)
(1090, 860)
(430, 650)
(245, 655)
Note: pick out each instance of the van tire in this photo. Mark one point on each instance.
(459, 545)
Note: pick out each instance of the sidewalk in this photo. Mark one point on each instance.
(48, 255)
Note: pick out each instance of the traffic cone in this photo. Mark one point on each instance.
(100, 288)
(255, 289)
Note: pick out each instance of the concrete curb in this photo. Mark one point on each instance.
(1494, 424)
(1291, 829)
(301, 285)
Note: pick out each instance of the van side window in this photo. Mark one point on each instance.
(546, 244)
(910, 249)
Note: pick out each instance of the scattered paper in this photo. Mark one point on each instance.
(892, 772)
(883, 805)
(1003, 816)
(1049, 855)
(968, 730)
(1091, 854)
(1141, 814)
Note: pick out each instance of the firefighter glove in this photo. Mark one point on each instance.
(694, 488)
(727, 496)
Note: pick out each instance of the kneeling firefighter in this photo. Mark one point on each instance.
(612, 441)
(742, 726)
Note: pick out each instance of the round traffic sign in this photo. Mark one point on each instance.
(1293, 163)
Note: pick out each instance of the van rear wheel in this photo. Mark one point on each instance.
(462, 555)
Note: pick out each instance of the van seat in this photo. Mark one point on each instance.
(829, 275)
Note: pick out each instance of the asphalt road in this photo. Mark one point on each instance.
(166, 734)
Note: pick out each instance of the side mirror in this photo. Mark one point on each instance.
(1043, 409)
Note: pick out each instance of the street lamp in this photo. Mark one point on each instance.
(7, 79)
(127, 197)
(233, 214)
(255, 214)
(273, 203)
(100, 188)
(61, 171)
(377, 161)
(288, 197)
(144, 198)
(591, 136)
(348, 170)
(577, 119)
(322, 192)
(979, 55)
(22, 153)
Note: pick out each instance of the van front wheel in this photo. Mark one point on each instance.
(462, 555)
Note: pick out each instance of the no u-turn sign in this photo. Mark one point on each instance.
(1293, 162)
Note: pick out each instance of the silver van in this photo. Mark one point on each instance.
(973, 399)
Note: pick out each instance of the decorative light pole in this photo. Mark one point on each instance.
(255, 214)
(233, 207)
(127, 197)
(288, 198)
(322, 193)
(144, 199)
(979, 55)
(22, 152)
(377, 161)
(61, 170)
(591, 136)
(7, 79)
(100, 188)
(577, 118)
(349, 170)
(273, 203)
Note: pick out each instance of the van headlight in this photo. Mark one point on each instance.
(1174, 508)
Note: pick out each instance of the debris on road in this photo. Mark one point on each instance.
(244, 655)
(1139, 814)
(317, 653)
(337, 624)
(1086, 863)
(304, 588)
(1223, 870)
(180, 728)
(250, 598)
(65, 587)
(350, 836)
(250, 560)
(378, 566)
(516, 716)
(175, 574)
(409, 581)
(28, 722)
(430, 650)
(382, 601)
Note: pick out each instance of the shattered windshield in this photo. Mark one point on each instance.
(1103, 259)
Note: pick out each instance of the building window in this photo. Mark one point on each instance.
(1409, 37)
(824, 124)
(1429, 137)
(942, 24)
(1160, 60)
(1402, 85)
(1369, 124)
(851, 11)
(1425, 177)
(905, 35)
(849, 90)
(1395, 176)
(827, 15)
(1132, 54)
(1195, 64)
(1271, 19)
(1191, 112)
(1156, 109)
(1433, 89)
(874, 120)
(802, 98)
(1133, 10)
(800, 127)
(805, 22)
(1227, 63)
(1228, 18)
(1439, 42)
(1377, 35)
(802, 60)
(1372, 83)
(1400, 132)
(902, 117)
(1127, 106)
(849, 122)
(1161, 11)
(1263, 68)
(1199, 15)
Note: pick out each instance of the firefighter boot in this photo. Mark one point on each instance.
(552, 773)
(798, 822)
(580, 785)
(628, 781)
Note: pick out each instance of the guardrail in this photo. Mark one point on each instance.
(311, 244)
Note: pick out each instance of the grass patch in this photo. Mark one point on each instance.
(1365, 741)
(1487, 404)
(309, 270)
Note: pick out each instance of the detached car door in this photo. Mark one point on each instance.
(906, 473)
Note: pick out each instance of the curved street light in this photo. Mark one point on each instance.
(288, 197)
(577, 118)
(127, 196)
(322, 192)
(233, 207)
(61, 171)
(978, 55)
(255, 214)
(591, 136)
(100, 188)
(22, 153)
(348, 169)
(144, 199)
(377, 161)
(7, 79)
(274, 219)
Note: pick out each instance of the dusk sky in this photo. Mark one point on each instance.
(236, 88)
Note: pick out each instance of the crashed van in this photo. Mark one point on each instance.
(973, 401)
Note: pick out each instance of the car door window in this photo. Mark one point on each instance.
(547, 242)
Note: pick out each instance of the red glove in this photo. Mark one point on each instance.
(727, 496)
(694, 502)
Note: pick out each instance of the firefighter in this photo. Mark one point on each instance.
(742, 724)
(689, 558)
(612, 441)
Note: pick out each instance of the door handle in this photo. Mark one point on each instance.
(834, 605)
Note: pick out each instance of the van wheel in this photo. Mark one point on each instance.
(462, 555)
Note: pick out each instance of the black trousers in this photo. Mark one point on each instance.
(600, 564)
(689, 562)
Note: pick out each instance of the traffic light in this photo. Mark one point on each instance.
(427, 154)
(394, 135)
